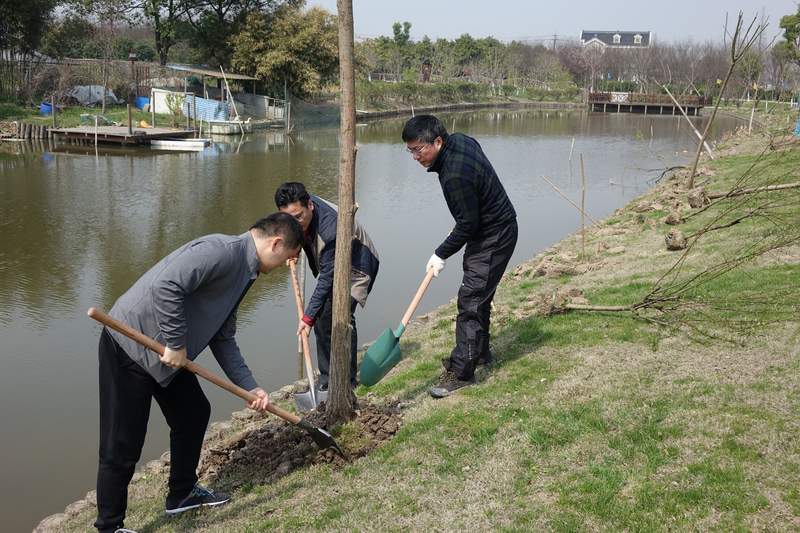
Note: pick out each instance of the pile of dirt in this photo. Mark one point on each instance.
(264, 454)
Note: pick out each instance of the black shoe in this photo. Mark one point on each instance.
(487, 360)
(323, 387)
(199, 497)
(448, 384)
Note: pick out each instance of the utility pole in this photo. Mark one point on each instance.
(341, 400)
(555, 38)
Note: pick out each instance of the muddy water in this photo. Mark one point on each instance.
(77, 228)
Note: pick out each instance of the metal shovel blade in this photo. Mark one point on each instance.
(304, 401)
(322, 438)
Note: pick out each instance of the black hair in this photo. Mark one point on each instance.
(283, 225)
(424, 128)
(291, 192)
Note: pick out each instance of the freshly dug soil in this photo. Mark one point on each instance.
(262, 455)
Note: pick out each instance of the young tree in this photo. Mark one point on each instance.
(214, 22)
(22, 24)
(292, 45)
(780, 58)
(742, 40)
(163, 16)
(72, 36)
(791, 32)
(340, 399)
(110, 15)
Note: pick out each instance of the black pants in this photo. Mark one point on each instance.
(485, 261)
(125, 394)
(322, 332)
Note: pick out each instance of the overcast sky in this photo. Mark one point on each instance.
(534, 20)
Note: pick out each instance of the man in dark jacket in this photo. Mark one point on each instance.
(318, 219)
(187, 301)
(485, 222)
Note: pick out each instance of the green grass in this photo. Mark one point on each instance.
(70, 116)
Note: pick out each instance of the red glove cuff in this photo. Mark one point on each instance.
(308, 320)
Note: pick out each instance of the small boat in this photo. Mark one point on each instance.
(194, 145)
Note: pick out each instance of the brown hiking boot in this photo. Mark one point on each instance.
(448, 384)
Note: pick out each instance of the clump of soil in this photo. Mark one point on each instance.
(271, 451)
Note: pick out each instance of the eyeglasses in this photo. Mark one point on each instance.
(417, 150)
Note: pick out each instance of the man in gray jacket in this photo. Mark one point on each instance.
(187, 301)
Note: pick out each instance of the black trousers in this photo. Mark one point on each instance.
(125, 396)
(322, 332)
(485, 261)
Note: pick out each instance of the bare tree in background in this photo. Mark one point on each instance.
(741, 42)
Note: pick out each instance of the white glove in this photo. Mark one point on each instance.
(436, 264)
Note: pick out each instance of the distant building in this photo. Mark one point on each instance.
(616, 39)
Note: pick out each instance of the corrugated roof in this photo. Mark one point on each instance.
(210, 73)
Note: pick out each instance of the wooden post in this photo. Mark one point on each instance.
(699, 135)
(285, 107)
(233, 102)
(583, 210)
(340, 398)
(565, 197)
(152, 108)
(194, 114)
(130, 120)
(571, 148)
(53, 102)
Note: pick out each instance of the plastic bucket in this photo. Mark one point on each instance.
(141, 101)
(45, 108)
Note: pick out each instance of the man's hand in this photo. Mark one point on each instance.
(174, 358)
(291, 260)
(303, 329)
(436, 264)
(262, 402)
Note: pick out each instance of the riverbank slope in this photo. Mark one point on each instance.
(678, 418)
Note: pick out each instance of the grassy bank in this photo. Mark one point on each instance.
(648, 421)
(383, 96)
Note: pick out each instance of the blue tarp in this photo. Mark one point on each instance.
(207, 110)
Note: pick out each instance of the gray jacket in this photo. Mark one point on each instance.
(190, 299)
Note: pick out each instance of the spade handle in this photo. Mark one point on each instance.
(298, 300)
(417, 298)
(191, 366)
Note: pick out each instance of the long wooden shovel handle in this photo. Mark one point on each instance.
(191, 366)
(298, 300)
(417, 297)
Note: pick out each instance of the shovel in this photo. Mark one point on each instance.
(384, 353)
(322, 438)
(309, 400)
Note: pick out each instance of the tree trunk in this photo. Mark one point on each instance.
(693, 171)
(105, 85)
(340, 398)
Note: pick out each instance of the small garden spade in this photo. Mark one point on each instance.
(384, 353)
